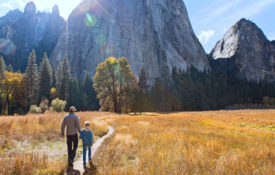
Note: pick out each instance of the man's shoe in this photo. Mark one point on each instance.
(71, 163)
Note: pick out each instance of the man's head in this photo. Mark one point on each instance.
(72, 109)
(87, 124)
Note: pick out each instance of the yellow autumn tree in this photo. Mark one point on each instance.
(114, 82)
(13, 93)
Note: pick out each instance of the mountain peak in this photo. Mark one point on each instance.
(244, 20)
(246, 26)
(30, 8)
(55, 10)
(248, 51)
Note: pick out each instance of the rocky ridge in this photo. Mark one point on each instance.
(245, 52)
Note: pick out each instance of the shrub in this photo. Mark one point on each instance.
(58, 105)
(35, 109)
(44, 105)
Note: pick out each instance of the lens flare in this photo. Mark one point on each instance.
(90, 20)
(7, 47)
(101, 39)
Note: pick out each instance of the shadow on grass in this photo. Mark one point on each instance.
(90, 171)
(72, 171)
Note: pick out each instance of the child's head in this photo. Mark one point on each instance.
(87, 124)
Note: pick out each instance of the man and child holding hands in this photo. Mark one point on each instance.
(72, 124)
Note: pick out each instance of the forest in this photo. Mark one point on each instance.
(116, 88)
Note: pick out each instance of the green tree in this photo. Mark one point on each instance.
(2, 68)
(32, 77)
(74, 99)
(45, 80)
(114, 82)
(10, 69)
(59, 76)
(88, 90)
(84, 102)
(54, 72)
(140, 101)
(142, 82)
(65, 79)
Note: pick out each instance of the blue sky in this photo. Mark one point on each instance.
(210, 18)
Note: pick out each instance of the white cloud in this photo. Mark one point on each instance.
(7, 5)
(205, 36)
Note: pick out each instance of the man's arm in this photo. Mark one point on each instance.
(63, 128)
(78, 124)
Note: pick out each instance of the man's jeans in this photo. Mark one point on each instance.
(85, 152)
(72, 143)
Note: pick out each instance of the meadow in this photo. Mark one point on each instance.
(32, 144)
(214, 142)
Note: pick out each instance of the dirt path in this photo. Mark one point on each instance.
(78, 164)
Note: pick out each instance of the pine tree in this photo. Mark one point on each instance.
(32, 77)
(74, 99)
(2, 68)
(54, 75)
(45, 80)
(88, 90)
(65, 79)
(10, 69)
(142, 83)
(140, 101)
(59, 77)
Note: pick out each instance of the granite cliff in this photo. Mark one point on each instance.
(245, 53)
(154, 34)
(20, 32)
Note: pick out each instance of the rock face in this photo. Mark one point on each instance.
(20, 32)
(154, 34)
(246, 53)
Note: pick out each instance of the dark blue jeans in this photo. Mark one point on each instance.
(72, 143)
(85, 152)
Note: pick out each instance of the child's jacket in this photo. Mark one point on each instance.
(87, 136)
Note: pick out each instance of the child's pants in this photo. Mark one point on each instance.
(85, 151)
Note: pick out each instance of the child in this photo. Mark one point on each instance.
(87, 140)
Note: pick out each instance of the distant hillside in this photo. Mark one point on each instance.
(20, 32)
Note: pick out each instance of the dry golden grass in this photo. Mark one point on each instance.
(32, 131)
(214, 143)
(31, 164)
(191, 143)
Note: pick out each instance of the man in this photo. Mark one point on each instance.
(72, 123)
